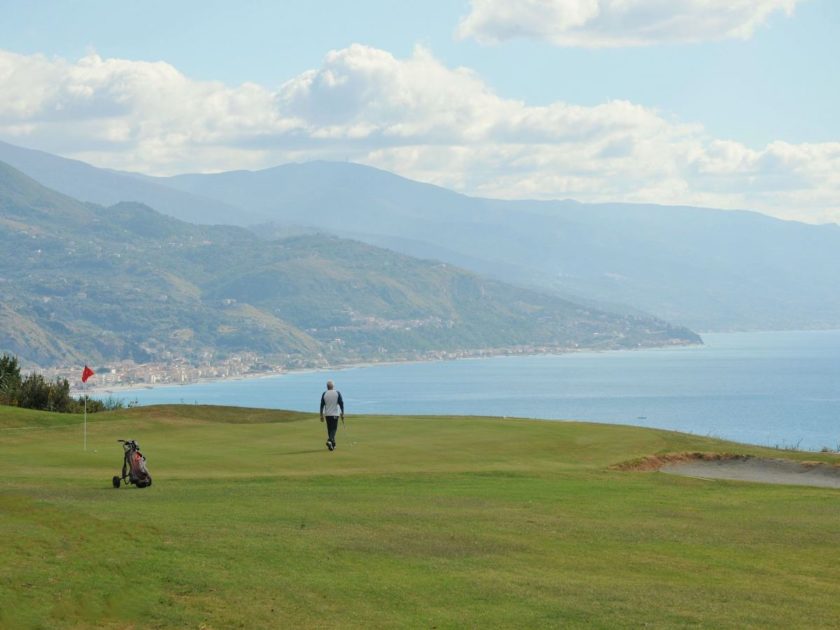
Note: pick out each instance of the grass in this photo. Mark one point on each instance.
(428, 522)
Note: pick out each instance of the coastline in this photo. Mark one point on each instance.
(742, 387)
(105, 390)
(111, 390)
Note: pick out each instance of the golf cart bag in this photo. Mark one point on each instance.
(134, 466)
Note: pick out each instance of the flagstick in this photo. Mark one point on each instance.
(84, 393)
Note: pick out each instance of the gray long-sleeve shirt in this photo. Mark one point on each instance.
(331, 402)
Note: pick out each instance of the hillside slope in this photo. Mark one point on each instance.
(125, 282)
(704, 268)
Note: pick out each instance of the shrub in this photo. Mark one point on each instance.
(9, 380)
(35, 392)
(38, 393)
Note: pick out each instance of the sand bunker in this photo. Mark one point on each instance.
(758, 469)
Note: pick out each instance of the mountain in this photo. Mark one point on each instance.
(105, 187)
(707, 269)
(83, 282)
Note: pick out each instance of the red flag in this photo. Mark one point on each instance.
(86, 374)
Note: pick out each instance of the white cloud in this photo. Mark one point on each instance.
(602, 23)
(413, 116)
(135, 113)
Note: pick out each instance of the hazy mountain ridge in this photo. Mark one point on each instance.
(107, 187)
(86, 282)
(708, 269)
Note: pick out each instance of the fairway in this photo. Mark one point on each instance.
(432, 522)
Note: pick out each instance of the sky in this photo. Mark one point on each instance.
(718, 103)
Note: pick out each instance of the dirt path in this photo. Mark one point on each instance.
(760, 470)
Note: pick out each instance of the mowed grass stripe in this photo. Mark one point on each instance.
(412, 522)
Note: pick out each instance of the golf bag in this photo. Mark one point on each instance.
(134, 466)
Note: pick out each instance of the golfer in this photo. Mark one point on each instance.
(331, 403)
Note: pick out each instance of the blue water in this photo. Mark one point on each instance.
(773, 388)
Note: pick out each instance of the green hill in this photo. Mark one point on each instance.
(412, 522)
(704, 268)
(87, 283)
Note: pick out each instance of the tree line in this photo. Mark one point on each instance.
(35, 392)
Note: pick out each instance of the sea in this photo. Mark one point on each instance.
(779, 389)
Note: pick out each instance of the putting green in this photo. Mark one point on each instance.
(411, 522)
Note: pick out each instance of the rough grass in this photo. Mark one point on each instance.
(412, 522)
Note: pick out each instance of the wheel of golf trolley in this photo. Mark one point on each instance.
(116, 481)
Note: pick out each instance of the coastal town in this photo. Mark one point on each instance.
(127, 374)
(176, 372)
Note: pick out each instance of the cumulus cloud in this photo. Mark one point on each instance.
(602, 23)
(130, 113)
(413, 116)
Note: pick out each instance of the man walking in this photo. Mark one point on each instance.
(331, 403)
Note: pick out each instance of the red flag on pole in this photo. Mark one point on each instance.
(86, 374)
